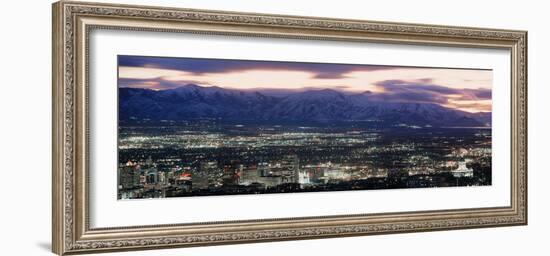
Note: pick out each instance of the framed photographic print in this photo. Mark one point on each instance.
(178, 127)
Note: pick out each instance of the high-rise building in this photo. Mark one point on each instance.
(296, 168)
(462, 170)
(128, 177)
(199, 180)
(289, 168)
(249, 175)
(151, 176)
(162, 178)
(263, 169)
(303, 178)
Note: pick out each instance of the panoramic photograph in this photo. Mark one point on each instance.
(205, 127)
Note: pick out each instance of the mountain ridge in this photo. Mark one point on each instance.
(324, 105)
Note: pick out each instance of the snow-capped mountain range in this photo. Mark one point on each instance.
(193, 101)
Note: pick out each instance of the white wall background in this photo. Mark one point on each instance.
(25, 114)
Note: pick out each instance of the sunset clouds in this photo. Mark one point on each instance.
(464, 89)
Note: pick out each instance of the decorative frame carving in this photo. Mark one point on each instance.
(72, 22)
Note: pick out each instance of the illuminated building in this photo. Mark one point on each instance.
(462, 170)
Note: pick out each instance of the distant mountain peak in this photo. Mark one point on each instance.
(323, 91)
(187, 86)
(318, 93)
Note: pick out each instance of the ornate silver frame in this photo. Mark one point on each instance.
(72, 22)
